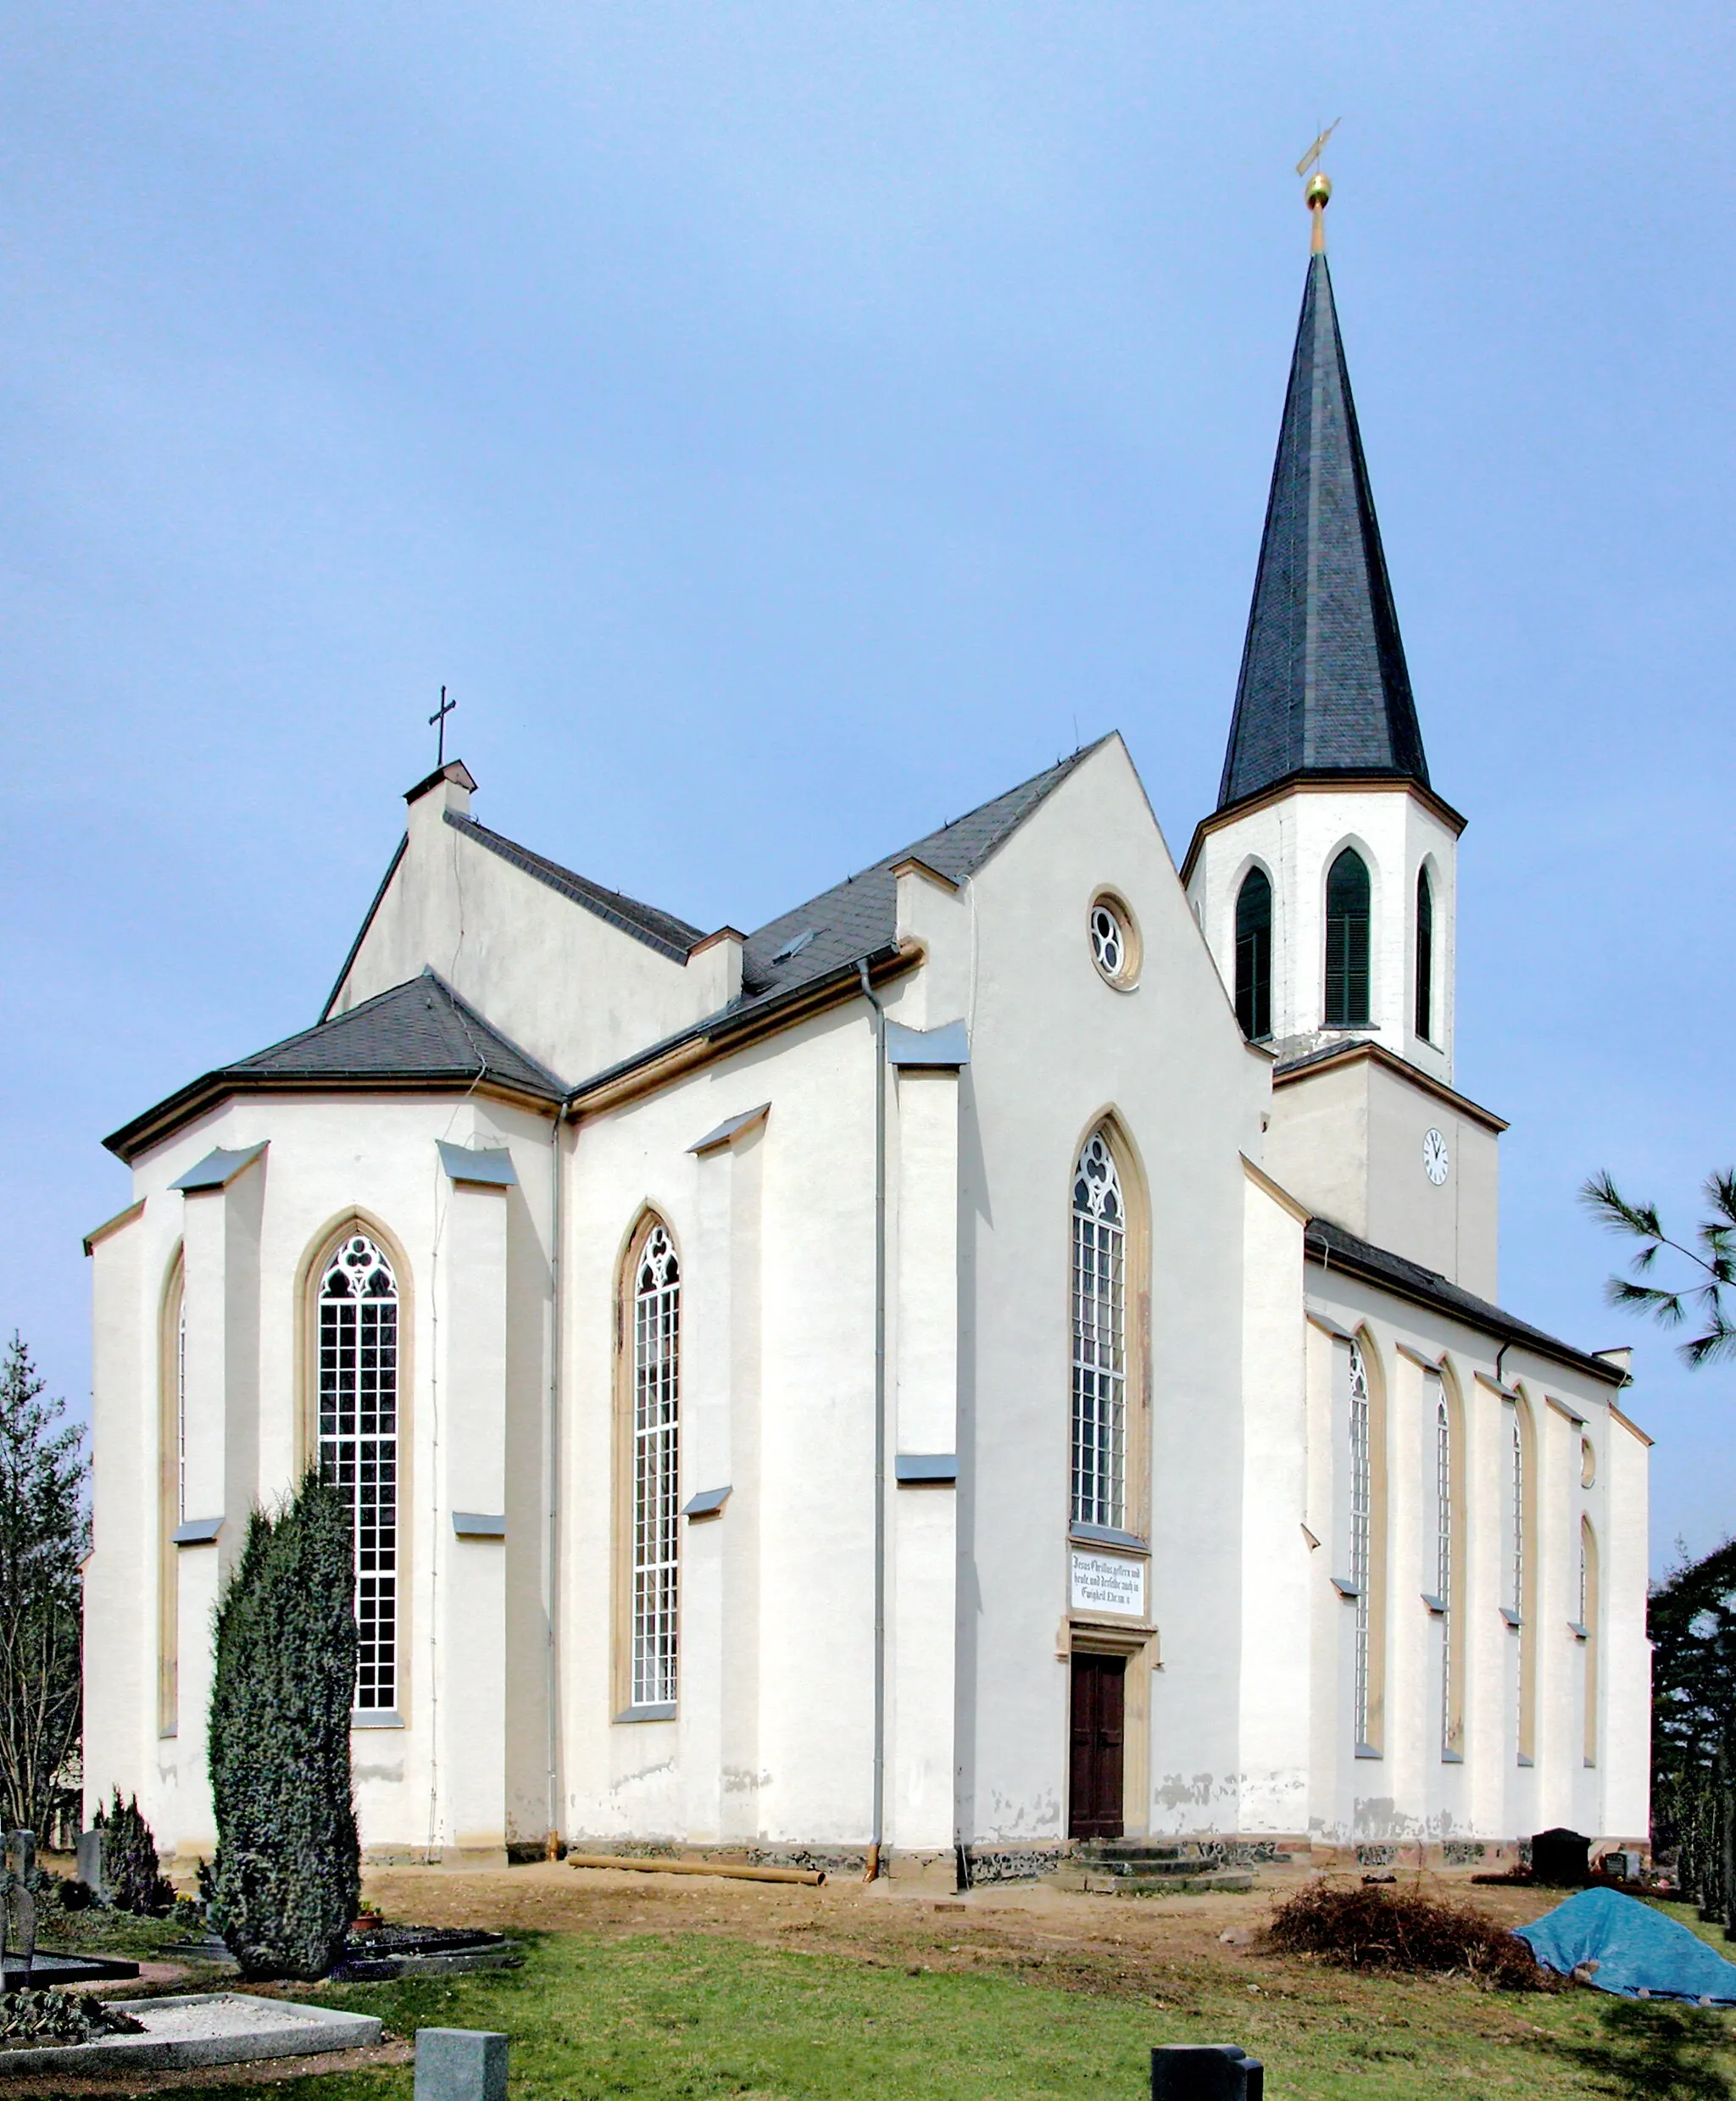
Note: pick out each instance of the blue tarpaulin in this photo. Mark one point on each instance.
(1636, 1950)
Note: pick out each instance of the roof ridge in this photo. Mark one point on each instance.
(1051, 776)
(671, 935)
(1441, 1291)
(469, 1011)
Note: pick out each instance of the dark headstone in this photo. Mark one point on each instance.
(1560, 1859)
(1205, 2071)
(461, 2064)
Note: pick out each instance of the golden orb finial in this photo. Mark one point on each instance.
(1319, 194)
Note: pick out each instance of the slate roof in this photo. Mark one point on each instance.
(421, 1032)
(1324, 687)
(1332, 1246)
(661, 930)
(858, 917)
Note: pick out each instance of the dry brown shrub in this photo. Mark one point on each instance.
(1376, 1926)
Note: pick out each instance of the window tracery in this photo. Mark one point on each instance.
(358, 1438)
(1099, 1339)
(656, 1470)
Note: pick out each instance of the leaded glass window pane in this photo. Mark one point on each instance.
(1100, 1340)
(656, 1463)
(358, 1306)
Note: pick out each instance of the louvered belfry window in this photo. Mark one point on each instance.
(1253, 955)
(1347, 942)
(1100, 1340)
(358, 1307)
(1425, 956)
(656, 1461)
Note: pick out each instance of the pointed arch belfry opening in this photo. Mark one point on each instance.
(647, 1491)
(1253, 955)
(1347, 909)
(1424, 1014)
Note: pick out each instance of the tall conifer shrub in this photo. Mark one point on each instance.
(285, 1881)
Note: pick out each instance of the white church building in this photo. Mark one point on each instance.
(1008, 1352)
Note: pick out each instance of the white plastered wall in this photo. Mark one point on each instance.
(557, 979)
(1054, 1049)
(1347, 1139)
(1412, 1794)
(459, 1781)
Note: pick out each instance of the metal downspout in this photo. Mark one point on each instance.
(879, 1810)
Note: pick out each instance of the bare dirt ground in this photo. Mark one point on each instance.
(1150, 1946)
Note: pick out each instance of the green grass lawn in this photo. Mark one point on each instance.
(691, 2016)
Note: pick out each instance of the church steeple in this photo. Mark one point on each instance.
(1324, 880)
(1324, 690)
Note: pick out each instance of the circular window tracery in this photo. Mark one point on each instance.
(1114, 942)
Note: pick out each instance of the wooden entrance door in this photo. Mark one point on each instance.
(1099, 1711)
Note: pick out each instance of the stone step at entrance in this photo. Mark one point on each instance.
(1141, 1867)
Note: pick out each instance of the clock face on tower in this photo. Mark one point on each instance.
(1434, 1157)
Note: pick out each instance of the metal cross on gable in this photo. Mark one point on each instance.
(439, 717)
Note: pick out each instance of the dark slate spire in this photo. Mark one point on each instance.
(1324, 689)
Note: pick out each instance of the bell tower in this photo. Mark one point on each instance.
(1324, 881)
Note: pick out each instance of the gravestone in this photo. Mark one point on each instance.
(89, 1868)
(18, 1906)
(1205, 2071)
(1561, 1859)
(461, 2064)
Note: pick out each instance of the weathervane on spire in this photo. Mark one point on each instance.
(1319, 192)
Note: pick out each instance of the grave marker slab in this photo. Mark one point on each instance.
(461, 2064)
(1205, 2071)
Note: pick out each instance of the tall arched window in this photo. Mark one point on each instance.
(1425, 956)
(1099, 1339)
(1253, 955)
(1521, 1574)
(1361, 1538)
(359, 1304)
(171, 1498)
(1589, 1620)
(1347, 942)
(655, 1469)
(1443, 1553)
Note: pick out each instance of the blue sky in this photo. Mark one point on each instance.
(785, 426)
